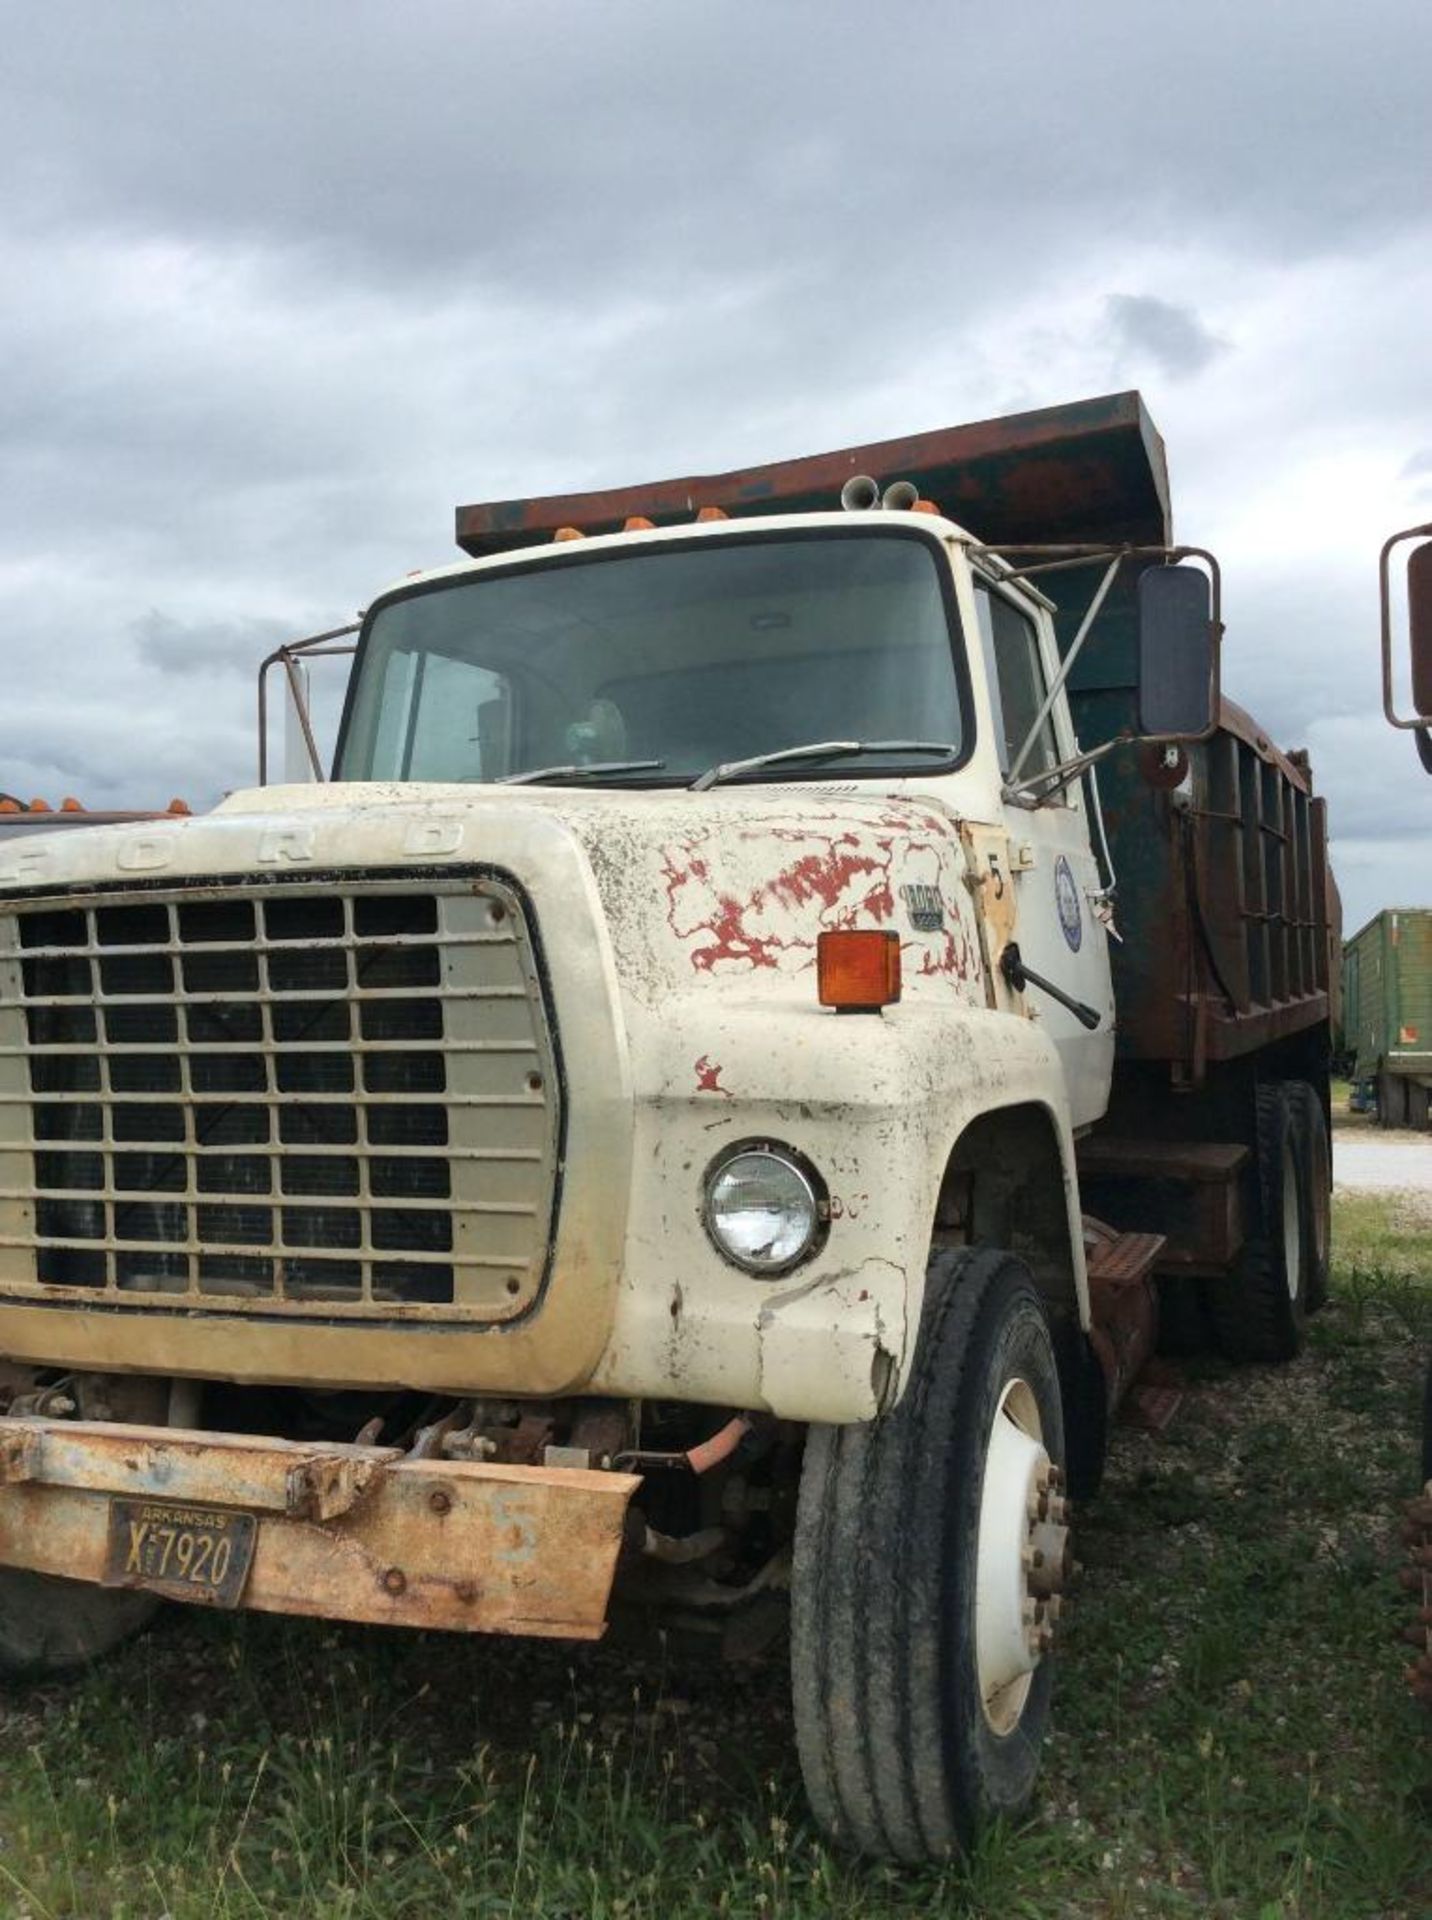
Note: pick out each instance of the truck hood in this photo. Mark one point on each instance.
(725, 890)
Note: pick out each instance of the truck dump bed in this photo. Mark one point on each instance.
(1225, 900)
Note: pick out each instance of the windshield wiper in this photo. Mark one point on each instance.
(819, 750)
(575, 772)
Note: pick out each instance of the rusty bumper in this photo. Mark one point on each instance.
(342, 1532)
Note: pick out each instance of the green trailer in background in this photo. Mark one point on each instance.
(1387, 1015)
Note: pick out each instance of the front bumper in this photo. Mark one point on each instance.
(343, 1532)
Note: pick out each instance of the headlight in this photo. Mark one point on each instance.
(764, 1209)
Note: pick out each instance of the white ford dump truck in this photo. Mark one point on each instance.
(668, 1124)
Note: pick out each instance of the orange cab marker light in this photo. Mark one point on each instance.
(713, 513)
(70, 805)
(638, 523)
(180, 806)
(858, 969)
(569, 533)
(40, 806)
(7, 805)
(924, 506)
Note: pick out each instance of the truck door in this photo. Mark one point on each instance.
(1053, 871)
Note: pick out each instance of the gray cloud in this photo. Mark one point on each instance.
(284, 285)
(517, 152)
(205, 646)
(1171, 339)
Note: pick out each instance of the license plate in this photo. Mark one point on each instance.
(190, 1553)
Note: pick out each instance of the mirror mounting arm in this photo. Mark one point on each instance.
(1035, 789)
(1022, 560)
(289, 656)
(1066, 666)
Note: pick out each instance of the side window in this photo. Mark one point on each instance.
(443, 719)
(1016, 676)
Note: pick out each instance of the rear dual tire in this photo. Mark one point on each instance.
(920, 1663)
(1260, 1309)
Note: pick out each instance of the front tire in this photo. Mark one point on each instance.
(920, 1629)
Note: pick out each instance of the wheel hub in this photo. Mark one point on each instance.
(1023, 1560)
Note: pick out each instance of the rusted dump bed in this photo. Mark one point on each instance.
(1229, 918)
(1094, 470)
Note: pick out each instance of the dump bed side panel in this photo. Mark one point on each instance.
(1229, 918)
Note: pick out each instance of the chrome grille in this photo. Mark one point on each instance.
(297, 1099)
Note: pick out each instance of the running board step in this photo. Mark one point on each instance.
(1119, 1259)
(1123, 1317)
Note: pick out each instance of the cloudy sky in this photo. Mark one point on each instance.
(281, 285)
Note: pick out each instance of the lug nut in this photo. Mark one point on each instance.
(440, 1501)
(395, 1581)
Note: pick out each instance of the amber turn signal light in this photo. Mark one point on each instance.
(858, 969)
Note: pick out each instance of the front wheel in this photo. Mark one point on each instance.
(931, 1547)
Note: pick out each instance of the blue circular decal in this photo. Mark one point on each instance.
(1066, 896)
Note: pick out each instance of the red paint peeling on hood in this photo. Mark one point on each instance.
(824, 874)
(746, 886)
(708, 1076)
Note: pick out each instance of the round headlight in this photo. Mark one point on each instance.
(762, 1210)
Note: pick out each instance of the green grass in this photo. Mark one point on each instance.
(1232, 1733)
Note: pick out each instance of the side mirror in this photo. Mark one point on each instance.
(1178, 654)
(1419, 634)
(1419, 625)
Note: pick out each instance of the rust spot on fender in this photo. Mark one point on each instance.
(708, 1077)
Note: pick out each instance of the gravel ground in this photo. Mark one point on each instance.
(1382, 1163)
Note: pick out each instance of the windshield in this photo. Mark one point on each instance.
(720, 650)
